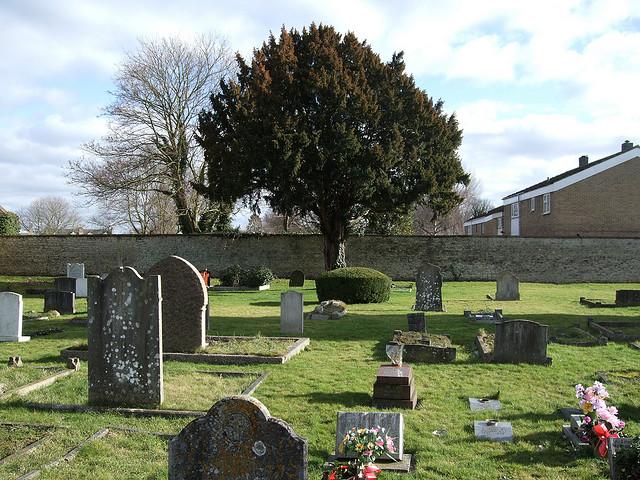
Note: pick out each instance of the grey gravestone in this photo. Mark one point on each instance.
(393, 423)
(628, 298)
(238, 440)
(493, 431)
(11, 318)
(63, 302)
(429, 288)
(291, 313)
(184, 305)
(75, 270)
(417, 322)
(507, 287)
(479, 404)
(64, 284)
(296, 279)
(521, 341)
(125, 339)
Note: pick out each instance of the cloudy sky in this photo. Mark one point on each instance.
(534, 84)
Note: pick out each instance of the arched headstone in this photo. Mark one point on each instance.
(521, 341)
(296, 279)
(507, 287)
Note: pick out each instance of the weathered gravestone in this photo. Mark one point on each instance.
(429, 288)
(184, 305)
(521, 341)
(507, 287)
(417, 322)
(296, 279)
(11, 318)
(393, 423)
(291, 313)
(63, 302)
(64, 284)
(628, 298)
(493, 431)
(238, 440)
(125, 339)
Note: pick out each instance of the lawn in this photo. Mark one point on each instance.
(337, 372)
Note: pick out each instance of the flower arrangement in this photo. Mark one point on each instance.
(599, 422)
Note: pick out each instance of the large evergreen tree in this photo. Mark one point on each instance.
(318, 124)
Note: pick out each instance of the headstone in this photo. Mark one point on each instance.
(15, 361)
(238, 440)
(63, 302)
(75, 270)
(328, 310)
(64, 284)
(184, 305)
(395, 388)
(521, 341)
(417, 322)
(11, 318)
(296, 279)
(291, 313)
(125, 339)
(628, 298)
(493, 430)
(479, 404)
(507, 287)
(393, 423)
(429, 288)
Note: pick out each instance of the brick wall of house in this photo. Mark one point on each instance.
(487, 229)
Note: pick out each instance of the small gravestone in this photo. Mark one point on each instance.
(75, 270)
(328, 310)
(479, 404)
(627, 298)
(507, 287)
(64, 284)
(417, 322)
(73, 363)
(184, 305)
(429, 288)
(125, 340)
(296, 279)
(521, 341)
(493, 430)
(238, 440)
(11, 318)
(63, 302)
(291, 313)
(393, 423)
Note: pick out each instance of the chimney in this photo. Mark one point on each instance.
(626, 146)
(583, 161)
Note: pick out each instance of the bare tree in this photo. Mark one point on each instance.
(160, 90)
(254, 225)
(49, 216)
(274, 223)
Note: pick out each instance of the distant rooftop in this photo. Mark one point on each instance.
(486, 214)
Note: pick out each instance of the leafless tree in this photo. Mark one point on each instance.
(255, 224)
(160, 89)
(274, 223)
(49, 216)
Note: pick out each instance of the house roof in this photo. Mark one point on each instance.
(3, 210)
(569, 173)
(499, 209)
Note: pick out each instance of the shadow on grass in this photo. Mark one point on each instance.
(277, 304)
(344, 399)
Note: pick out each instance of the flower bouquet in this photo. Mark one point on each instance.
(599, 422)
(368, 444)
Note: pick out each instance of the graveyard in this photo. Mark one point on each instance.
(334, 373)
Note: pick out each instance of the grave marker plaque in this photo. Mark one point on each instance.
(291, 313)
(507, 287)
(479, 404)
(296, 279)
(521, 341)
(11, 318)
(238, 440)
(493, 431)
(429, 288)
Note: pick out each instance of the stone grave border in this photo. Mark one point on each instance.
(485, 317)
(604, 329)
(38, 384)
(597, 303)
(417, 352)
(220, 288)
(484, 350)
(592, 341)
(31, 447)
(299, 344)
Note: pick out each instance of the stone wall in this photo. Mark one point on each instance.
(560, 260)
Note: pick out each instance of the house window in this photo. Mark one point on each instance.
(467, 229)
(499, 220)
(515, 210)
(532, 204)
(546, 203)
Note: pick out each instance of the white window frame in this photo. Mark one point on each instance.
(515, 210)
(482, 229)
(546, 203)
(500, 226)
(532, 204)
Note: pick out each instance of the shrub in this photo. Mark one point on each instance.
(9, 224)
(258, 276)
(354, 285)
(236, 276)
(232, 276)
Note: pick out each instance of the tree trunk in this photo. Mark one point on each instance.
(185, 220)
(333, 233)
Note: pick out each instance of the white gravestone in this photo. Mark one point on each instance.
(493, 431)
(291, 313)
(11, 318)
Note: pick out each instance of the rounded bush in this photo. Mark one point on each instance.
(258, 276)
(232, 276)
(354, 285)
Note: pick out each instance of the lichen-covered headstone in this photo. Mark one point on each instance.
(11, 318)
(291, 313)
(238, 440)
(521, 341)
(429, 288)
(507, 287)
(75, 270)
(296, 279)
(125, 339)
(63, 302)
(184, 305)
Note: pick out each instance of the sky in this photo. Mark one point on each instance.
(534, 85)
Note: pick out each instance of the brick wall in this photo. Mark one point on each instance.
(465, 257)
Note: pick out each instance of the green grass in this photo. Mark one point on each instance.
(337, 373)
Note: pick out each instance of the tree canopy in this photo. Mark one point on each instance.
(319, 124)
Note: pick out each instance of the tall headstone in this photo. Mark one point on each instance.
(417, 322)
(125, 339)
(184, 305)
(521, 341)
(238, 440)
(63, 302)
(429, 288)
(291, 313)
(507, 287)
(11, 318)
(296, 279)
(393, 423)
(75, 270)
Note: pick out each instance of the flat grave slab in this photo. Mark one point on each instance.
(493, 431)
(485, 317)
(421, 347)
(480, 404)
